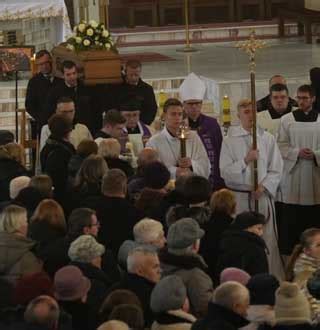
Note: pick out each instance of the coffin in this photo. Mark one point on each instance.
(94, 66)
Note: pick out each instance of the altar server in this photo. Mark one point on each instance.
(299, 143)
(236, 166)
(192, 92)
(168, 145)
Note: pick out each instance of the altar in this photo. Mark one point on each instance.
(42, 23)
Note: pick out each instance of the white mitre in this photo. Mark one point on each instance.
(193, 88)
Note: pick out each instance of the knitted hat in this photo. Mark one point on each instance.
(85, 248)
(168, 294)
(70, 284)
(291, 306)
(156, 175)
(183, 233)
(31, 286)
(313, 285)
(248, 219)
(234, 274)
(262, 288)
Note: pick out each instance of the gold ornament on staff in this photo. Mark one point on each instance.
(187, 48)
(251, 46)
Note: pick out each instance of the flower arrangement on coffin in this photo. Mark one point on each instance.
(90, 35)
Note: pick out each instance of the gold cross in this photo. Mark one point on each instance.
(251, 46)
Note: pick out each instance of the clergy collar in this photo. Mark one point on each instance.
(276, 115)
(139, 127)
(69, 85)
(194, 124)
(302, 116)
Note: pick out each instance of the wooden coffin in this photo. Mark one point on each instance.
(94, 66)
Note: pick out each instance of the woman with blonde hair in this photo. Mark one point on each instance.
(110, 150)
(16, 258)
(305, 258)
(223, 206)
(11, 166)
(88, 179)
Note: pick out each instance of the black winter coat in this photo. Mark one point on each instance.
(209, 248)
(142, 288)
(117, 218)
(244, 250)
(37, 93)
(9, 169)
(142, 92)
(55, 157)
(220, 318)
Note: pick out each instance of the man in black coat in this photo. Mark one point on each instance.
(117, 216)
(229, 309)
(87, 109)
(39, 87)
(143, 273)
(134, 88)
(242, 246)
(56, 154)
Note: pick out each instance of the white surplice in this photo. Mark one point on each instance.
(168, 148)
(300, 182)
(238, 177)
(269, 124)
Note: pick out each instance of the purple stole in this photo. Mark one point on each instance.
(210, 134)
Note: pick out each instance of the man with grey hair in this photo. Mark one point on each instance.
(228, 308)
(42, 312)
(144, 272)
(182, 259)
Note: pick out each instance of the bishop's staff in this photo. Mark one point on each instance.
(250, 47)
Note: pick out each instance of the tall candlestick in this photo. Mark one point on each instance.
(226, 115)
(183, 138)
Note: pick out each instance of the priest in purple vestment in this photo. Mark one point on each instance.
(192, 92)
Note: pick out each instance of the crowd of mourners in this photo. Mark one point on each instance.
(122, 231)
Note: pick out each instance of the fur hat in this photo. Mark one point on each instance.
(291, 307)
(85, 248)
(183, 233)
(168, 294)
(262, 288)
(248, 219)
(234, 274)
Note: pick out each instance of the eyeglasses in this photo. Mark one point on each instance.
(194, 103)
(97, 224)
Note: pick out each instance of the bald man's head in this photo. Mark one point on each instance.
(147, 156)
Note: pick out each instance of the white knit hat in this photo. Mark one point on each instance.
(292, 307)
(193, 88)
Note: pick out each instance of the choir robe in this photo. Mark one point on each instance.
(238, 177)
(210, 134)
(168, 148)
(300, 184)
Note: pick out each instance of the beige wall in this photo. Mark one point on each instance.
(312, 4)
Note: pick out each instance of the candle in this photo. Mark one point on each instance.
(226, 116)
(33, 68)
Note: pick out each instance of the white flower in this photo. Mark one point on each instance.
(90, 32)
(105, 33)
(93, 23)
(81, 27)
(75, 29)
(100, 44)
(107, 46)
(70, 47)
(96, 42)
(78, 40)
(102, 27)
(86, 42)
(96, 38)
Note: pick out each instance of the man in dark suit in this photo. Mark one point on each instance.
(86, 109)
(39, 87)
(134, 88)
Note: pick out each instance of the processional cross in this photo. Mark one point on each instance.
(251, 46)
